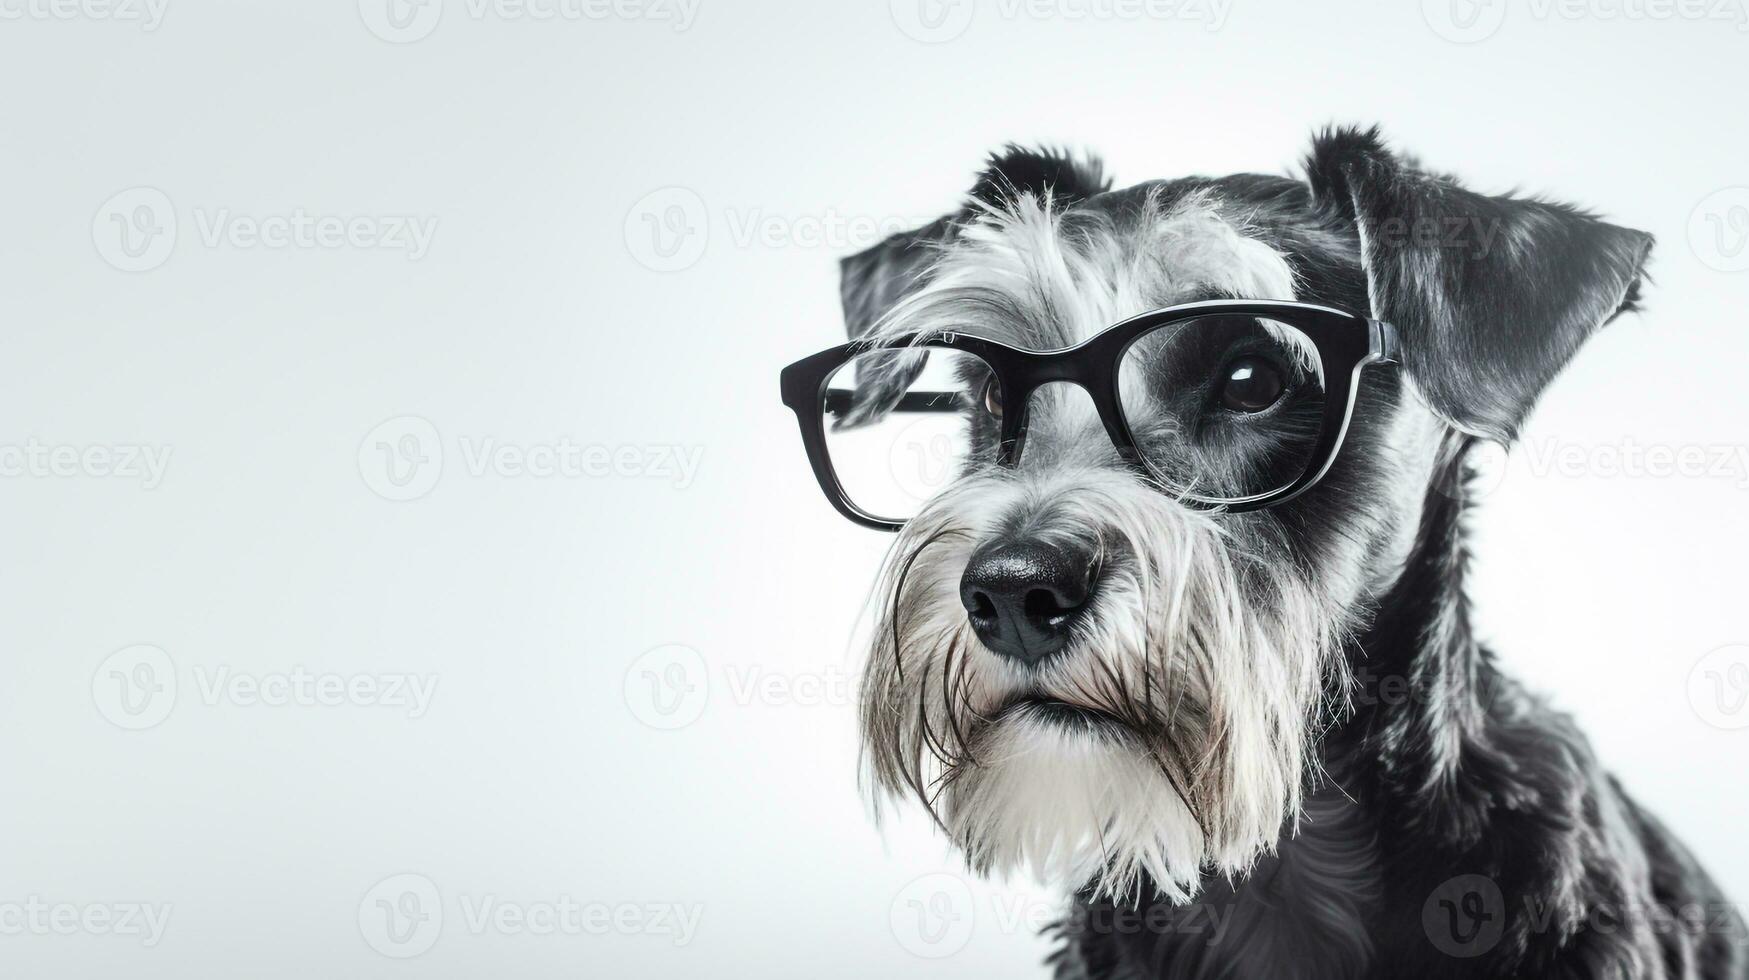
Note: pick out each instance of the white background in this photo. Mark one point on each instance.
(538, 313)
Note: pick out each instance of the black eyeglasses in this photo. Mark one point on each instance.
(1235, 405)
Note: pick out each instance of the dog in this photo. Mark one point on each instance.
(1278, 715)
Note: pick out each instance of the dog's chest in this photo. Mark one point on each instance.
(1303, 913)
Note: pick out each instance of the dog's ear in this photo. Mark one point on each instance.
(1490, 295)
(874, 280)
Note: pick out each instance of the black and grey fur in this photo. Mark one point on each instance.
(1279, 718)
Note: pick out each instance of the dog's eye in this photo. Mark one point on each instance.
(1251, 384)
(993, 398)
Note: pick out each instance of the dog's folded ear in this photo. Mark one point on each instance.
(1490, 295)
(873, 281)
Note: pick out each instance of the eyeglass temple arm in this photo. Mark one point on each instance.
(838, 401)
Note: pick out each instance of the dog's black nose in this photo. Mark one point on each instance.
(1022, 596)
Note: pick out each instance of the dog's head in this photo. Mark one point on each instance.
(1074, 669)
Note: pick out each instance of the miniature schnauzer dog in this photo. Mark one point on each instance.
(1176, 609)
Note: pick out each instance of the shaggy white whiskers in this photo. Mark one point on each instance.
(1076, 804)
(1202, 660)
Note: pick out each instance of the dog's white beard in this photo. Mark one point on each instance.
(1207, 658)
(1075, 805)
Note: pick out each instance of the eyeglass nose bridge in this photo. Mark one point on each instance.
(1059, 367)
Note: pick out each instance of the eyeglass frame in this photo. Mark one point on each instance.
(1347, 344)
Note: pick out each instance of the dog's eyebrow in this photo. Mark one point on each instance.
(977, 311)
(1209, 294)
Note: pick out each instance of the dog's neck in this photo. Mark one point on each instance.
(1419, 709)
(1437, 772)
